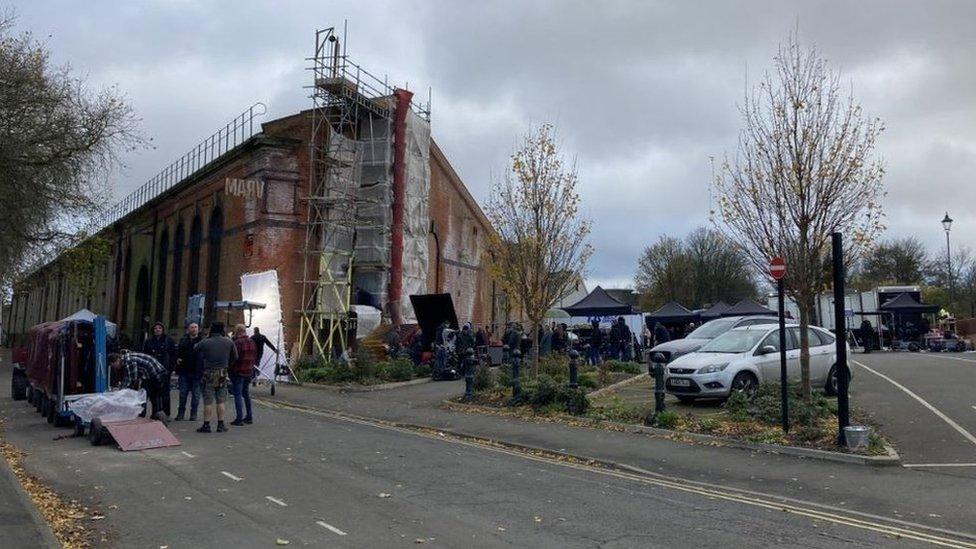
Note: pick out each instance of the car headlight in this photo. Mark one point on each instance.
(713, 368)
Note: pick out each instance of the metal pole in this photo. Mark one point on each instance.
(840, 329)
(952, 279)
(655, 368)
(784, 387)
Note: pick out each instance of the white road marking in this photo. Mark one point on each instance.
(936, 355)
(232, 477)
(276, 500)
(188, 454)
(969, 436)
(938, 465)
(329, 527)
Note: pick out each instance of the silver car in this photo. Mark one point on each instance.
(705, 333)
(742, 358)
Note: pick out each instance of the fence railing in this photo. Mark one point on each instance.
(236, 132)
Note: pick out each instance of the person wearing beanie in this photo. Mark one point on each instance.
(216, 354)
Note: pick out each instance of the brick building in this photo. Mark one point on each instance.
(237, 204)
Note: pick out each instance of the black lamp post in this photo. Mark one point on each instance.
(947, 225)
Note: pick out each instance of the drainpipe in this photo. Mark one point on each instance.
(395, 287)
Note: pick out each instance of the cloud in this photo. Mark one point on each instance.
(642, 93)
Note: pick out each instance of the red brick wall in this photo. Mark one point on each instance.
(275, 223)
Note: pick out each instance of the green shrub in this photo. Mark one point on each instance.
(421, 370)
(664, 420)
(574, 401)
(555, 365)
(588, 380)
(483, 380)
(617, 410)
(541, 392)
(396, 370)
(621, 366)
(708, 424)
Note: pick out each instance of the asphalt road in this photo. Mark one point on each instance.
(935, 428)
(325, 482)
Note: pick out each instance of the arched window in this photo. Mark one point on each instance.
(177, 296)
(161, 254)
(143, 296)
(126, 275)
(215, 233)
(196, 237)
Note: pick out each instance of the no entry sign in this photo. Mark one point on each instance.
(777, 268)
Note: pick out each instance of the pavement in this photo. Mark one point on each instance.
(21, 525)
(321, 475)
(925, 404)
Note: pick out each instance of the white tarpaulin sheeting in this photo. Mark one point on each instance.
(263, 288)
(416, 220)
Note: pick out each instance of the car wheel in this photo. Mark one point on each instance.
(38, 400)
(745, 383)
(18, 386)
(30, 395)
(831, 386)
(52, 410)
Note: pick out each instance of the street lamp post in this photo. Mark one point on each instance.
(947, 225)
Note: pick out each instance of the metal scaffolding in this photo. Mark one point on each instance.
(347, 210)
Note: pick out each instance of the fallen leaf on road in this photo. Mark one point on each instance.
(420, 540)
(500, 529)
(538, 519)
(384, 495)
(280, 541)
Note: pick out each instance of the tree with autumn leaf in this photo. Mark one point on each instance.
(539, 247)
(803, 170)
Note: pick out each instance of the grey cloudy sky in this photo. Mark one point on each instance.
(643, 93)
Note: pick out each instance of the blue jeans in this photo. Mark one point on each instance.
(189, 383)
(593, 355)
(240, 387)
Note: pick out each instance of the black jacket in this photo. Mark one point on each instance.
(187, 357)
(162, 349)
(260, 340)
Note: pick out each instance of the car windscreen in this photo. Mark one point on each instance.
(733, 341)
(712, 329)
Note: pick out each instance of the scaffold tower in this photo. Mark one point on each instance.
(347, 221)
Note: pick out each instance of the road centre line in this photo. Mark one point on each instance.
(329, 527)
(814, 511)
(276, 500)
(969, 436)
(235, 478)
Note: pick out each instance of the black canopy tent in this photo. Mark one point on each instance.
(714, 311)
(671, 312)
(431, 311)
(905, 303)
(747, 307)
(598, 303)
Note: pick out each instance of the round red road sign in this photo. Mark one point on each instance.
(777, 268)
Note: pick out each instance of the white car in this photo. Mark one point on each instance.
(742, 358)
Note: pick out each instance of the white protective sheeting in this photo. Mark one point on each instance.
(119, 405)
(367, 319)
(416, 222)
(263, 288)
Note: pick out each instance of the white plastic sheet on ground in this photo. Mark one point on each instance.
(263, 288)
(119, 405)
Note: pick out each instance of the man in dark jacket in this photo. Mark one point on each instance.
(661, 334)
(161, 347)
(186, 372)
(596, 342)
(260, 342)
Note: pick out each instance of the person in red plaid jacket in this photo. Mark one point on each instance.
(241, 372)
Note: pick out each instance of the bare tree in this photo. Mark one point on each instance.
(803, 170)
(896, 261)
(540, 247)
(699, 270)
(58, 141)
